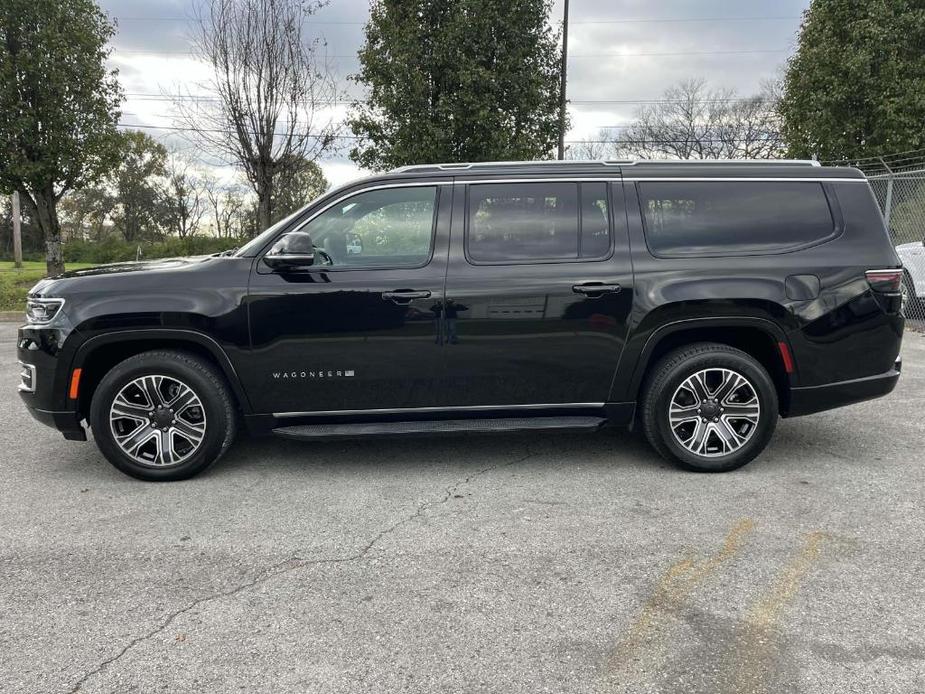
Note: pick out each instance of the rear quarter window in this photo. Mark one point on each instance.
(727, 218)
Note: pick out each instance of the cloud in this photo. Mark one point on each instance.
(614, 62)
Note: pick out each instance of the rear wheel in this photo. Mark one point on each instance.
(709, 407)
(162, 416)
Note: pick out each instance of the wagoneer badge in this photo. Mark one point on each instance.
(326, 373)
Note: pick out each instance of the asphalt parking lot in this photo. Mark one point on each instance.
(501, 564)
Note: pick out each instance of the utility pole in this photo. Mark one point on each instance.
(17, 231)
(563, 74)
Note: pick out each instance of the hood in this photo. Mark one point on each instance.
(137, 266)
(143, 275)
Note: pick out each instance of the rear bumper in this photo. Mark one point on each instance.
(831, 395)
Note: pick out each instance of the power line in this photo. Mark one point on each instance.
(150, 96)
(574, 55)
(637, 20)
(356, 137)
(222, 131)
(680, 53)
(889, 158)
(683, 20)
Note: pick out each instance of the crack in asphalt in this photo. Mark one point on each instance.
(291, 564)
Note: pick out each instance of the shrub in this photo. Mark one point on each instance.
(115, 250)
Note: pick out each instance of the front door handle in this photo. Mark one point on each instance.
(594, 289)
(404, 296)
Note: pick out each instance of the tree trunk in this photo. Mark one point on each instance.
(264, 213)
(264, 190)
(44, 204)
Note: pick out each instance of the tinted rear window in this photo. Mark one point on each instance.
(528, 222)
(733, 217)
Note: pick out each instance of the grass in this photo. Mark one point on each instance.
(16, 283)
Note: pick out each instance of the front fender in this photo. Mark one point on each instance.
(169, 337)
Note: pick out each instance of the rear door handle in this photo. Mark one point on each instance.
(404, 296)
(596, 288)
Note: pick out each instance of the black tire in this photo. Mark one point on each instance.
(672, 371)
(208, 385)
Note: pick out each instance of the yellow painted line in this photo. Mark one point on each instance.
(754, 656)
(766, 611)
(671, 593)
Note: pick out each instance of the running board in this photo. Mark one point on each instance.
(311, 432)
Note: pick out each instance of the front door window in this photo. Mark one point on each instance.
(384, 228)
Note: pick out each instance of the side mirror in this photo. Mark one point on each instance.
(294, 250)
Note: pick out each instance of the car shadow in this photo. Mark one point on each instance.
(610, 447)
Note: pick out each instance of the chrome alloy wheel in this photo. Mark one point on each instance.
(157, 421)
(714, 412)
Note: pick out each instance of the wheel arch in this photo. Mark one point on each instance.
(99, 354)
(758, 337)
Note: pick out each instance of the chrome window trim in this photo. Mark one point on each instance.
(543, 261)
(360, 191)
(553, 179)
(464, 408)
(743, 179)
(668, 179)
(23, 388)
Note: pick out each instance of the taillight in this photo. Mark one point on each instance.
(885, 281)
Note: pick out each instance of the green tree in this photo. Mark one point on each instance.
(471, 80)
(59, 106)
(856, 86)
(303, 183)
(136, 183)
(85, 213)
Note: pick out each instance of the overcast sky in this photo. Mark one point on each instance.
(621, 52)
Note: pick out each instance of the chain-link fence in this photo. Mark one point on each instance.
(898, 182)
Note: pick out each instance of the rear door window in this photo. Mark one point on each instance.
(715, 218)
(537, 222)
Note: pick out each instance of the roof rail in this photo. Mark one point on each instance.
(463, 166)
(756, 162)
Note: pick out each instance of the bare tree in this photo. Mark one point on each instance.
(591, 149)
(225, 204)
(271, 89)
(182, 199)
(693, 121)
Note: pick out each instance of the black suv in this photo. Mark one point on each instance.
(698, 300)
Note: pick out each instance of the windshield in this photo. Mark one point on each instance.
(256, 243)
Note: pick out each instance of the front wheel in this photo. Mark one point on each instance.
(709, 408)
(162, 415)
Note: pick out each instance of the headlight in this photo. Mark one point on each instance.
(42, 311)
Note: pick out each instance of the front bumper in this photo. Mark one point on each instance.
(813, 399)
(67, 422)
(43, 386)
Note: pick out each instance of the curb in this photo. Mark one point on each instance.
(11, 316)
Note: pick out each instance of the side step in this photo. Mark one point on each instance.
(311, 432)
